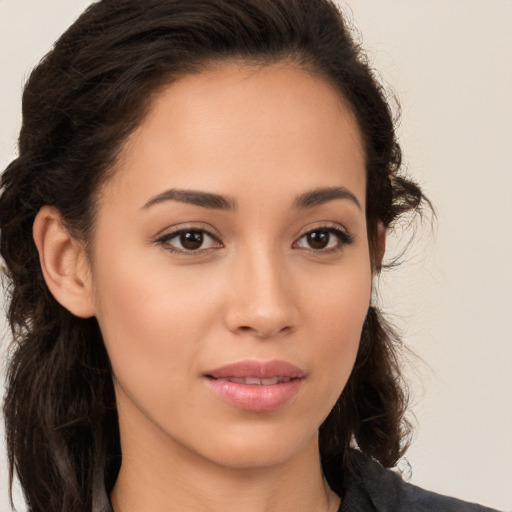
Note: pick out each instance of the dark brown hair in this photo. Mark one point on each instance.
(79, 105)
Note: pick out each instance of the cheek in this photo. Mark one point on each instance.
(341, 298)
(151, 337)
(336, 316)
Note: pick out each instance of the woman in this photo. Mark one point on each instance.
(192, 228)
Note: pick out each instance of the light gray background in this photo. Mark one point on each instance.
(450, 62)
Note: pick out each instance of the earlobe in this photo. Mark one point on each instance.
(63, 263)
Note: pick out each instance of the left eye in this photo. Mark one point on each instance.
(189, 240)
(323, 239)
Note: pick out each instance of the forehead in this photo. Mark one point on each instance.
(241, 125)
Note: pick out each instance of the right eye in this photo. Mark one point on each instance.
(189, 240)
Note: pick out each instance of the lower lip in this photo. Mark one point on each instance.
(255, 398)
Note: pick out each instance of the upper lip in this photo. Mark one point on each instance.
(258, 369)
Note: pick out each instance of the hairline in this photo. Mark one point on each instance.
(258, 62)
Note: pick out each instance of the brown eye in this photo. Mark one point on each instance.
(324, 239)
(318, 239)
(191, 240)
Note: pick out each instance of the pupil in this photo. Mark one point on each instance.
(318, 239)
(191, 240)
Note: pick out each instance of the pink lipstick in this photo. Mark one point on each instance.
(256, 386)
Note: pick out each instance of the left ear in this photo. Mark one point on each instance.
(380, 246)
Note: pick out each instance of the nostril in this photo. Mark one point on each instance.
(263, 333)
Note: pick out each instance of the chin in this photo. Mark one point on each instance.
(255, 448)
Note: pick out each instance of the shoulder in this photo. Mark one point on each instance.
(371, 488)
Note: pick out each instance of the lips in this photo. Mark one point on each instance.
(257, 369)
(256, 386)
(255, 381)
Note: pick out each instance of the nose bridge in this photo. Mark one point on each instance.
(262, 301)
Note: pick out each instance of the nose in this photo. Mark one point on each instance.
(262, 300)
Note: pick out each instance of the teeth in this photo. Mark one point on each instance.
(255, 381)
(237, 381)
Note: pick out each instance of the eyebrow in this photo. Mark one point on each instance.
(196, 197)
(320, 196)
(213, 201)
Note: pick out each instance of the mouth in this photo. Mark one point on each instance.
(257, 372)
(256, 386)
(255, 381)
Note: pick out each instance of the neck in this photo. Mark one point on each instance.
(165, 477)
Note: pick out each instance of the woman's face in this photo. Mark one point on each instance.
(230, 273)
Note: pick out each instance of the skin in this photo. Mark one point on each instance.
(257, 289)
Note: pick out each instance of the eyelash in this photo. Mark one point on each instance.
(343, 237)
(165, 240)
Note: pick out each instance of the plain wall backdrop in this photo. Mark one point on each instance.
(450, 64)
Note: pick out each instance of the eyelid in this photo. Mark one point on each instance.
(168, 234)
(344, 237)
